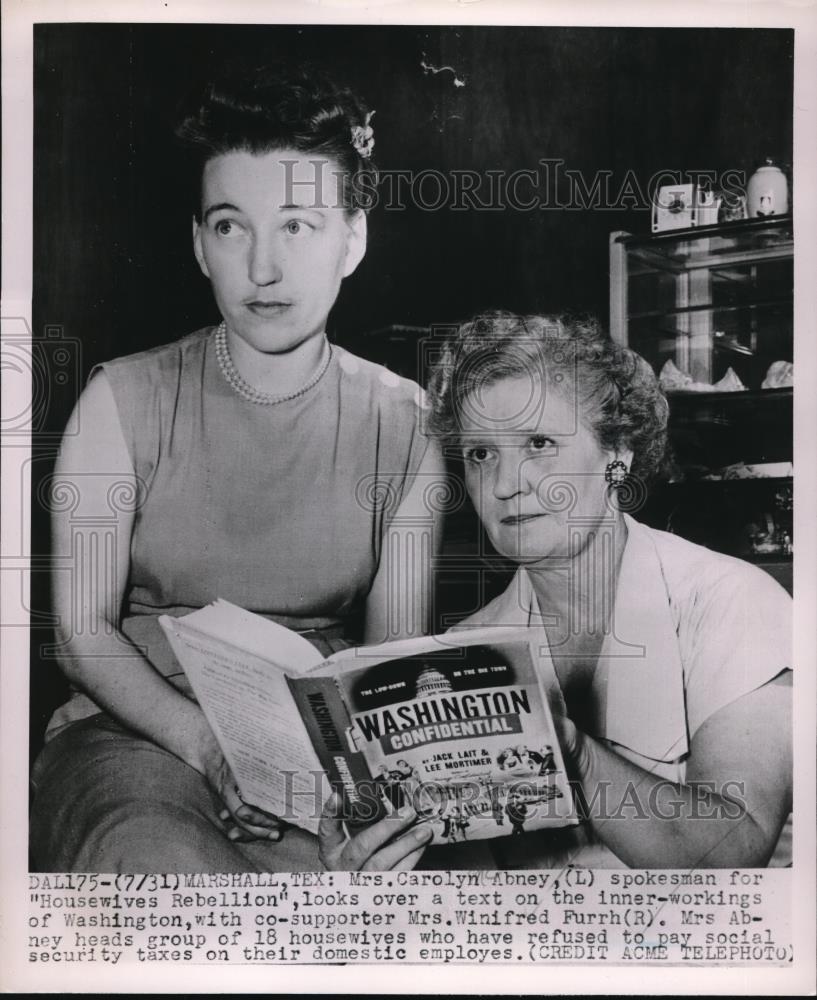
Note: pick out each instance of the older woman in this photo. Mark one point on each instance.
(669, 665)
(267, 466)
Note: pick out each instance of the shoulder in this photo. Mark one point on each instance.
(143, 389)
(378, 384)
(697, 577)
(732, 623)
(164, 358)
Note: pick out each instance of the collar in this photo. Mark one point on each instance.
(638, 684)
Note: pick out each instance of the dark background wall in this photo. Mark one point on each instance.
(112, 233)
(113, 268)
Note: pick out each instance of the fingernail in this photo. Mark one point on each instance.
(224, 814)
(422, 832)
(404, 812)
(233, 834)
(274, 835)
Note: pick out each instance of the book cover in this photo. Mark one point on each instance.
(458, 726)
(465, 735)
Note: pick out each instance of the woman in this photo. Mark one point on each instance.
(265, 466)
(668, 664)
(672, 662)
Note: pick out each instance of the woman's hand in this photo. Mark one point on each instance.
(242, 822)
(381, 847)
(573, 743)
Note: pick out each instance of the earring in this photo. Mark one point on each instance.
(616, 473)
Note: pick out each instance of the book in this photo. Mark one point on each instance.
(457, 725)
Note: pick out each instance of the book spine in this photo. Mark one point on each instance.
(327, 722)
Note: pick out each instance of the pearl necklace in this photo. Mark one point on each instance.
(240, 385)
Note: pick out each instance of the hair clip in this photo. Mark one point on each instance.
(363, 137)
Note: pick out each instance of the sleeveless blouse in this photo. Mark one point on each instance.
(280, 509)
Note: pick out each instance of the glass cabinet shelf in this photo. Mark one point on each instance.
(729, 243)
(706, 299)
(711, 310)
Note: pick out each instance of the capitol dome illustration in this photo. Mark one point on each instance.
(431, 682)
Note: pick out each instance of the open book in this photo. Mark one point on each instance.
(458, 725)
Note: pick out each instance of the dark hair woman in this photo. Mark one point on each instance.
(253, 461)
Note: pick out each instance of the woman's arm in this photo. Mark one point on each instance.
(732, 807)
(398, 606)
(400, 601)
(95, 655)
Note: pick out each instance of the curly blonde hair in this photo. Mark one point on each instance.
(616, 390)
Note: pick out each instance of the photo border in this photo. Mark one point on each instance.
(17, 42)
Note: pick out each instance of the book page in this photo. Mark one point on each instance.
(257, 635)
(249, 706)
